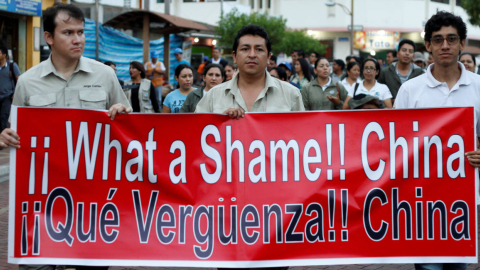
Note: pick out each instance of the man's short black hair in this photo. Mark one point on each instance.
(394, 53)
(406, 41)
(282, 74)
(340, 63)
(273, 58)
(443, 18)
(253, 30)
(110, 63)
(300, 53)
(347, 59)
(51, 13)
(4, 50)
(317, 55)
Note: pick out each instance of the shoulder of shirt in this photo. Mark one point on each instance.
(286, 87)
(416, 82)
(32, 73)
(94, 64)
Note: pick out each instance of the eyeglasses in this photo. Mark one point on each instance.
(368, 69)
(451, 40)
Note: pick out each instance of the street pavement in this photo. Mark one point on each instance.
(4, 184)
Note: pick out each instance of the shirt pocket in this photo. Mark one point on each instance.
(93, 99)
(45, 100)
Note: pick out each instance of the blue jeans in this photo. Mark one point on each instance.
(440, 266)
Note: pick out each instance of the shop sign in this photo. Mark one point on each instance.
(24, 7)
(376, 40)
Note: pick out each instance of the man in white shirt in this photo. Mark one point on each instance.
(216, 59)
(445, 84)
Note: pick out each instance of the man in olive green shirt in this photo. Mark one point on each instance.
(252, 89)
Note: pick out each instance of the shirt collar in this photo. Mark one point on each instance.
(232, 85)
(49, 68)
(432, 82)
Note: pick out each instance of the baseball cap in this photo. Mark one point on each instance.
(178, 50)
(418, 56)
(154, 54)
(286, 64)
(205, 58)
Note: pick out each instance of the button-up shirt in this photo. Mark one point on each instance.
(277, 96)
(92, 85)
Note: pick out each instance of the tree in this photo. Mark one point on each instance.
(472, 7)
(282, 40)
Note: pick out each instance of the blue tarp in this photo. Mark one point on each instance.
(122, 49)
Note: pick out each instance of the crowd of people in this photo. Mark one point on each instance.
(64, 79)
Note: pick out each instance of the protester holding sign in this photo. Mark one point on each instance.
(66, 79)
(251, 88)
(445, 84)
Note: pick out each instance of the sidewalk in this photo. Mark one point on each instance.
(4, 184)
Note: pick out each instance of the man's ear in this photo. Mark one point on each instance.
(462, 44)
(269, 55)
(234, 57)
(48, 37)
(428, 46)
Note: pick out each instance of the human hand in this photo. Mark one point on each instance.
(118, 109)
(9, 137)
(335, 100)
(235, 113)
(473, 158)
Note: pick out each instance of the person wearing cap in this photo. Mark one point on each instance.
(179, 56)
(419, 60)
(154, 71)
(288, 69)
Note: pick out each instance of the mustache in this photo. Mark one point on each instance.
(251, 60)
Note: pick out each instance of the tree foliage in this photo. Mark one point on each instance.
(282, 39)
(472, 7)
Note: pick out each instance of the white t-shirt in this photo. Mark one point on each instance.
(425, 91)
(350, 88)
(216, 61)
(379, 90)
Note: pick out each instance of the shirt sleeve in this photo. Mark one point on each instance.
(19, 97)
(205, 104)
(386, 93)
(305, 100)
(168, 99)
(117, 95)
(16, 70)
(297, 105)
(401, 101)
(162, 66)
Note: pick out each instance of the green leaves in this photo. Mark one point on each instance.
(472, 7)
(282, 40)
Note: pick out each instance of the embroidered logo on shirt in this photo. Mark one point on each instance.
(92, 86)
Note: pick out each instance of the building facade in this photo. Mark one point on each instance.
(381, 23)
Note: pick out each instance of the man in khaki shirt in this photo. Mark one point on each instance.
(67, 79)
(252, 89)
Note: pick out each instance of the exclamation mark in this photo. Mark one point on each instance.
(331, 213)
(341, 140)
(24, 241)
(31, 180)
(344, 214)
(36, 230)
(329, 151)
(46, 145)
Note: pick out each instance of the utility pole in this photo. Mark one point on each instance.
(97, 29)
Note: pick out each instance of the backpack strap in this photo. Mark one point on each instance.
(12, 73)
(355, 91)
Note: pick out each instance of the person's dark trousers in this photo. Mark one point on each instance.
(5, 105)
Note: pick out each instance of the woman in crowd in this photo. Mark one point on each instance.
(174, 100)
(353, 73)
(468, 60)
(213, 74)
(370, 86)
(302, 76)
(230, 70)
(140, 91)
(321, 94)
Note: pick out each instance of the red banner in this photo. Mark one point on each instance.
(271, 189)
